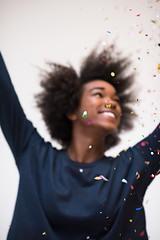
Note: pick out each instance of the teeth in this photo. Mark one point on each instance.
(109, 114)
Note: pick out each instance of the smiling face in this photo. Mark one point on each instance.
(99, 107)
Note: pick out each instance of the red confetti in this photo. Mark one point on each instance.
(142, 233)
(143, 143)
(152, 175)
(130, 9)
(158, 151)
(157, 173)
(132, 187)
(138, 15)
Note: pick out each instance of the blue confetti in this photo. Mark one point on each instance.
(138, 208)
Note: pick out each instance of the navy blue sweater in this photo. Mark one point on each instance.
(59, 199)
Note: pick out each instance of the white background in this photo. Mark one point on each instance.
(34, 31)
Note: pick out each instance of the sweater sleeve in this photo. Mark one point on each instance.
(18, 131)
(149, 149)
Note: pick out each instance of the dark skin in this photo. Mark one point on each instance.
(88, 135)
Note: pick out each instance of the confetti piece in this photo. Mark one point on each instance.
(89, 122)
(133, 113)
(157, 173)
(138, 208)
(143, 144)
(147, 162)
(118, 154)
(84, 114)
(108, 105)
(132, 187)
(130, 220)
(44, 233)
(97, 178)
(138, 15)
(108, 32)
(106, 18)
(124, 180)
(130, 9)
(134, 68)
(154, 21)
(105, 179)
(101, 177)
(158, 67)
(90, 146)
(138, 175)
(141, 234)
(113, 74)
(152, 175)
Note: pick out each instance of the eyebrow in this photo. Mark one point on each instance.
(100, 88)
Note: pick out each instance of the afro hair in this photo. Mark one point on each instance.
(63, 87)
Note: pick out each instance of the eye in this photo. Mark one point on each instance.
(98, 94)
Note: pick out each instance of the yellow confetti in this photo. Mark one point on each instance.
(113, 74)
(133, 113)
(97, 178)
(106, 18)
(101, 177)
(134, 68)
(130, 158)
(154, 21)
(118, 154)
(158, 67)
(147, 162)
(130, 220)
(44, 233)
(108, 105)
(125, 149)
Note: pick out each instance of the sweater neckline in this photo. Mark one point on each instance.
(82, 165)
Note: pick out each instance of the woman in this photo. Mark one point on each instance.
(77, 192)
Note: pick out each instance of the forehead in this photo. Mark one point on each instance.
(101, 85)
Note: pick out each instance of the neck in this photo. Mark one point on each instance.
(85, 148)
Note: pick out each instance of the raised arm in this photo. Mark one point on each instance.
(149, 148)
(18, 131)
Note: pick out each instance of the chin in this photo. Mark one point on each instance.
(111, 129)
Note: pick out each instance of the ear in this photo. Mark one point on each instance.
(72, 117)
